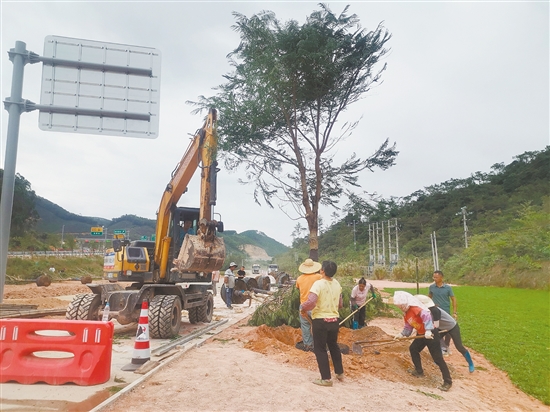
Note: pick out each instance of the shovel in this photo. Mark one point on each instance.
(352, 313)
(357, 347)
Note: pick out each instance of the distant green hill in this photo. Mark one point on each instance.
(53, 218)
(259, 239)
(507, 220)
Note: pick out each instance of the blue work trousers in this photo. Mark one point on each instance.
(307, 337)
(228, 296)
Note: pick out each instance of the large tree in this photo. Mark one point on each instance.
(281, 103)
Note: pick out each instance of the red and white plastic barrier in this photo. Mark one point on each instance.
(55, 351)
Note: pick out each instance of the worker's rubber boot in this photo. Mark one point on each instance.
(468, 358)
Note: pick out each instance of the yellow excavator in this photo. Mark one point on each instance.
(174, 271)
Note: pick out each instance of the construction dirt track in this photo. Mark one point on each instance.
(248, 368)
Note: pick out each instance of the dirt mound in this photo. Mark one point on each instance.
(388, 361)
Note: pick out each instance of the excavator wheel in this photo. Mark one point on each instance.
(84, 307)
(193, 315)
(164, 316)
(205, 311)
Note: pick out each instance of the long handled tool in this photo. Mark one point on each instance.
(356, 310)
(357, 347)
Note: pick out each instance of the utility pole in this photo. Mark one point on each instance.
(396, 242)
(393, 244)
(354, 237)
(380, 244)
(383, 245)
(434, 251)
(62, 233)
(465, 226)
(371, 248)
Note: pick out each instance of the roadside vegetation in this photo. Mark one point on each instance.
(508, 220)
(284, 307)
(27, 270)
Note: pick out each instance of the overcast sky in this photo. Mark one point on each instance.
(466, 86)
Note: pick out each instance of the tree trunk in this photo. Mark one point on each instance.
(313, 245)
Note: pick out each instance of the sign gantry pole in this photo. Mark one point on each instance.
(113, 90)
(15, 106)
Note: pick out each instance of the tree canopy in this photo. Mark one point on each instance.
(281, 103)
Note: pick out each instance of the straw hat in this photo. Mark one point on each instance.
(425, 300)
(309, 266)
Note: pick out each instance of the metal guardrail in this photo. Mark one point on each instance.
(53, 253)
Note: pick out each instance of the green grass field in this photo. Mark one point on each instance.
(511, 328)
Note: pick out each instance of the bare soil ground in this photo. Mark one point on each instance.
(258, 369)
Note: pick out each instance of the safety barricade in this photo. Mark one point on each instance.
(55, 351)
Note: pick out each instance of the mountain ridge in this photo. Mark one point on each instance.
(54, 219)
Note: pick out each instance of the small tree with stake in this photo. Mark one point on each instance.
(280, 105)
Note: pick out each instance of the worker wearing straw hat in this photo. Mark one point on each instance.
(310, 274)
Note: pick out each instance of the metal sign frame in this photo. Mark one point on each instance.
(99, 88)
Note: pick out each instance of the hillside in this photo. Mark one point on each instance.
(507, 219)
(491, 200)
(53, 218)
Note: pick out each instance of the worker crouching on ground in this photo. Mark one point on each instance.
(324, 300)
(445, 322)
(417, 316)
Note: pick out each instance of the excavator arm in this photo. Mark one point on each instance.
(201, 252)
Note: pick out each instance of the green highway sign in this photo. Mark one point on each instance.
(119, 231)
(153, 237)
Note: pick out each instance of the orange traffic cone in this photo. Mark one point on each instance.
(142, 351)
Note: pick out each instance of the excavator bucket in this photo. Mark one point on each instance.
(198, 255)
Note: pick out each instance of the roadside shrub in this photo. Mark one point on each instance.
(283, 308)
(406, 270)
(380, 273)
(351, 269)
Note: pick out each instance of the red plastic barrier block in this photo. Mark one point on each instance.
(55, 351)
